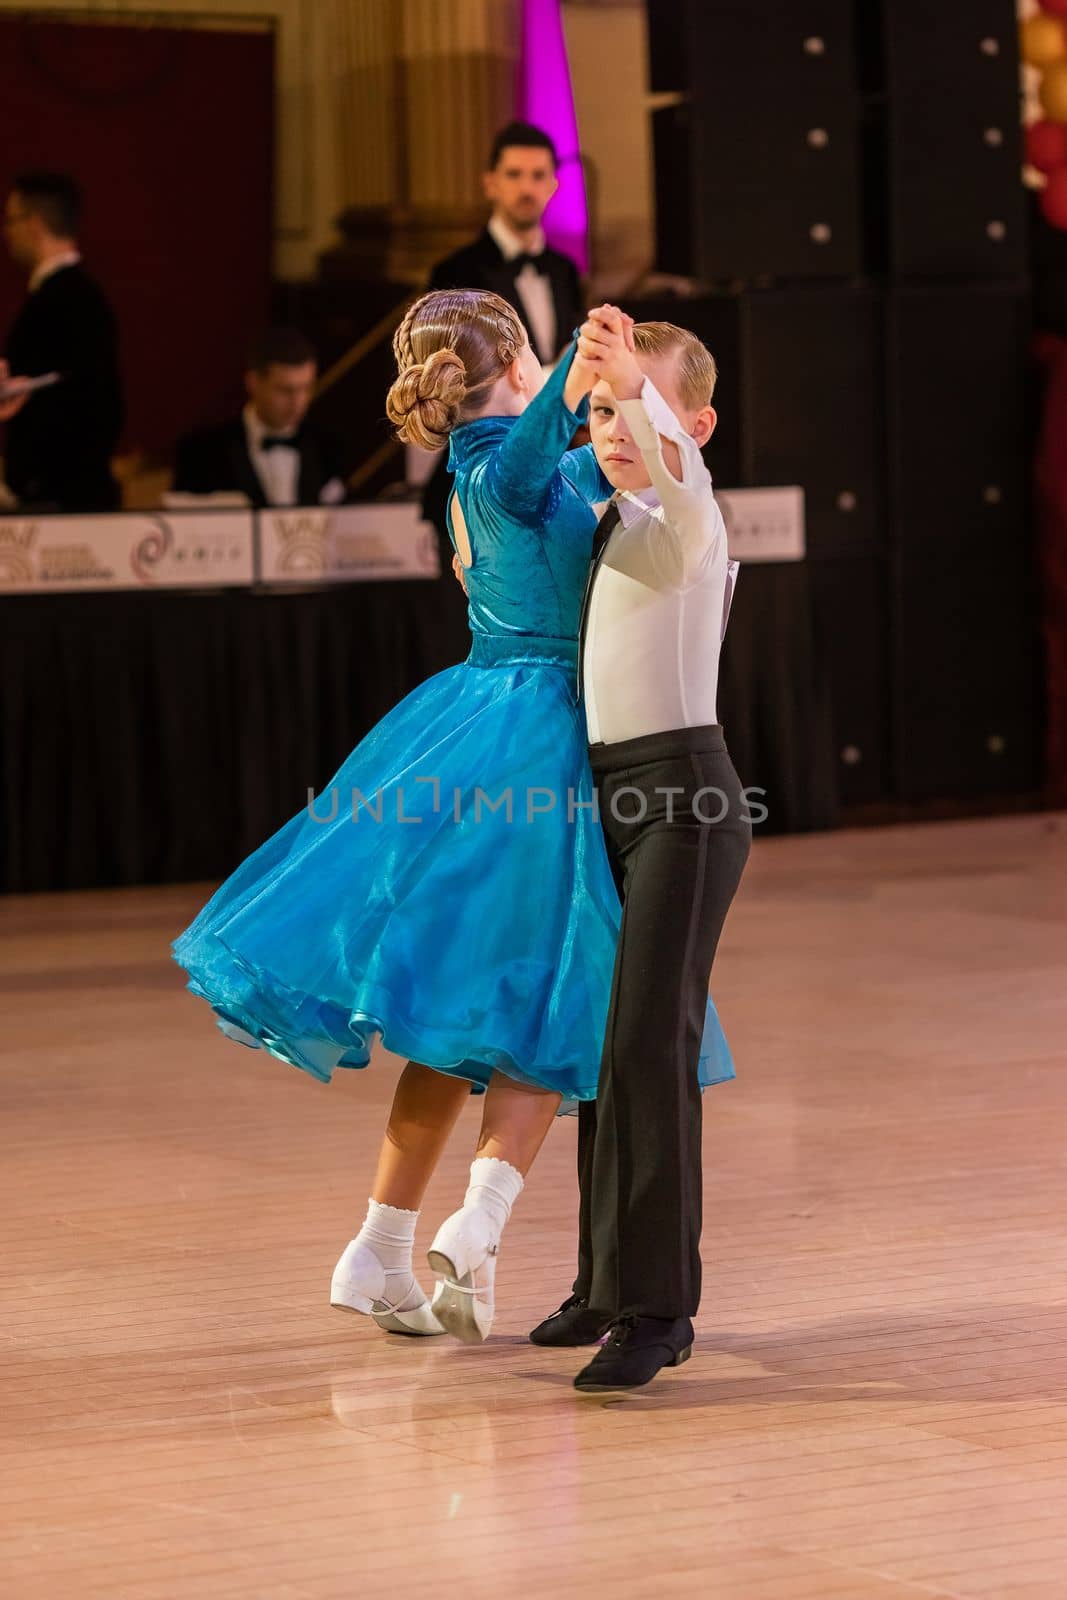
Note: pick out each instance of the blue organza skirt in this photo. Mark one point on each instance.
(449, 892)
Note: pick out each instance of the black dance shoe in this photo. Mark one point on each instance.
(574, 1323)
(637, 1349)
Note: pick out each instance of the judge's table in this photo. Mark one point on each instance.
(172, 683)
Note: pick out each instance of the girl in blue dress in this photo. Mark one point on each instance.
(450, 892)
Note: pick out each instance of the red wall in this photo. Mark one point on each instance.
(170, 133)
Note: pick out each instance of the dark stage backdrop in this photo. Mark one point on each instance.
(154, 737)
(169, 130)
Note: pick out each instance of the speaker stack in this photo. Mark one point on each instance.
(843, 178)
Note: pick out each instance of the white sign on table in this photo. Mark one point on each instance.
(763, 524)
(130, 550)
(216, 547)
(342, 544)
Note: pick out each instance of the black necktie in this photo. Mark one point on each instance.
(604, 530)
(280, 441)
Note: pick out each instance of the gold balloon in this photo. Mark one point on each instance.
(1054, 91)
(1042, 40)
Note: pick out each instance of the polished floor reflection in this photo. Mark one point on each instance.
(877, 1405)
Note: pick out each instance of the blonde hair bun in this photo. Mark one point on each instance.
(451, 347)
(426, 400)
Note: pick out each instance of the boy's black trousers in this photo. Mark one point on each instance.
(678, 833)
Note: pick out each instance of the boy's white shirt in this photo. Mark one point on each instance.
(660, 598)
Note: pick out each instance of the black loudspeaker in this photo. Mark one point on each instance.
(670, 62)
(799, 399)
(774, 124)
(952, 80)
(717, 320)
(812, 409)
(964, 622)
(966, 720)
(957, 369)
(672, 172)
(850, 605)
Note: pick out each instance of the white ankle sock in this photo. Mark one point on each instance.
(494, 1188)
(390, 1233)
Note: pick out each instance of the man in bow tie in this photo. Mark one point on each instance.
(511, 258)
(270, 453)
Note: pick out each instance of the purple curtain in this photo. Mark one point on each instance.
(545, 98)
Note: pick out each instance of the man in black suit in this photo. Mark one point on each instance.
(269, 453)
(510, 255)
(58, 446)
(511, 258)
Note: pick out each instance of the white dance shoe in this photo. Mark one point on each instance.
(464, 1255)
(359, 1284)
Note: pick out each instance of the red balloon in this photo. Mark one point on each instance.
(1054, 198)
(1055, 8)
(1046, 144)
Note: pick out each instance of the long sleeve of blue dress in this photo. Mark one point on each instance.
(582, 470)
(523, 468)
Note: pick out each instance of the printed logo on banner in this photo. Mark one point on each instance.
(152, 548)
(347, 543)
(16, 544)
(303, 542)
(27, 560)
(190, 549)
(125, 550)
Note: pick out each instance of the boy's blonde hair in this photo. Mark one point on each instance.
(697, 372)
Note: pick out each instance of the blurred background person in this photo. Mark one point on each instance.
(270, 453)
(512, 258)
(59, 444)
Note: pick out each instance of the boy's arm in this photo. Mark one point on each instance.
(693, 518)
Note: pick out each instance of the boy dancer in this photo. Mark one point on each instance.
(678, 834)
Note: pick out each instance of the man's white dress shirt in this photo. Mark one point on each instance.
(661, 594)
(534, 288)
(278, 470)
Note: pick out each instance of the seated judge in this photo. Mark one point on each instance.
(270, 453)
(59, 439)
(511, 257)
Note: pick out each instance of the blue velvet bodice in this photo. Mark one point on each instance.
(527, 503)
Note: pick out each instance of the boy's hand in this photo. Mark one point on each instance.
(606, 343)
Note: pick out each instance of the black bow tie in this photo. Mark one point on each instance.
(280, 441)
(525, 259)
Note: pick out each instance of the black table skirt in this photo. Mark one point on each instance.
(153, 738)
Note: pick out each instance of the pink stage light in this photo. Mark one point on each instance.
(545, 98)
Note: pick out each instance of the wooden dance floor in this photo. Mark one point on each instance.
(877, 1404)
